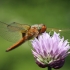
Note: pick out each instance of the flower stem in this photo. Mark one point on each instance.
(49, 68)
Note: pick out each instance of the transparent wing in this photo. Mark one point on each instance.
(18, 27)
(11, 32)
(58, 30)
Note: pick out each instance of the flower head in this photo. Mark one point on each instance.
(50, 50)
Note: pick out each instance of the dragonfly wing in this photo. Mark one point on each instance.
(18, 27)
(55, 29)
(58, 30)
(8, 33)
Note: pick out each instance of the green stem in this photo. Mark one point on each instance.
(49, 68)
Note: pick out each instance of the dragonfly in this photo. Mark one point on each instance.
(20, 33)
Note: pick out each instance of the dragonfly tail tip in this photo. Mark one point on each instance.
(7, 50)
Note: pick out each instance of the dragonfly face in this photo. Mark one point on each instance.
(41, 28)
(20, 32)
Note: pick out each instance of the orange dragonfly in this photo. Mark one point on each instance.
(20, 33)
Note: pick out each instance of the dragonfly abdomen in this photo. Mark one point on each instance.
(16, 44)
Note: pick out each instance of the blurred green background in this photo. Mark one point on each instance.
(52, 13)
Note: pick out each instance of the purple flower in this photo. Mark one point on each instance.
(50, 50)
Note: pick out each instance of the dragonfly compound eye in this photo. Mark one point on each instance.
(43, 29)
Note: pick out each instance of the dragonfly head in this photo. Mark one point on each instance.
(41, 28)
